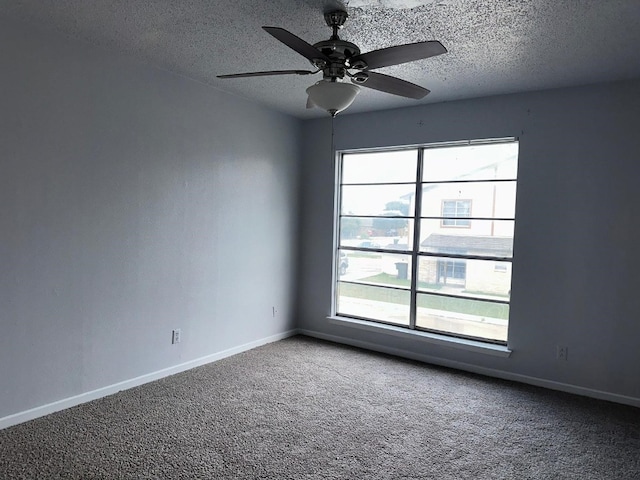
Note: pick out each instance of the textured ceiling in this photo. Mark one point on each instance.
(495, 46)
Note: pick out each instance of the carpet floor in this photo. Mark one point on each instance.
(307, 409)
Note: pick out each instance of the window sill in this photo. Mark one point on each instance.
(443, 340)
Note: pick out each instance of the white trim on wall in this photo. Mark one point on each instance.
(69, 402)
(490, 372)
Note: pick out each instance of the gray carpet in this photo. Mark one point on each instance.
(306, 409)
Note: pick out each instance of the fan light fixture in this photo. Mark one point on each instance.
(332, 96)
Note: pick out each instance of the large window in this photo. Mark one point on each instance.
(411, 251)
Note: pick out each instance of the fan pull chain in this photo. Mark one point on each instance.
(333, 153)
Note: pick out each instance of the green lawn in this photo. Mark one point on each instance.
(359, 254)
(388, 295)
(386, 279)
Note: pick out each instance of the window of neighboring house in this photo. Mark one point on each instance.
(398, 261)
(452, 270)
(456, 213)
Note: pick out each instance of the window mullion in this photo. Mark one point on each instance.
(413, 306)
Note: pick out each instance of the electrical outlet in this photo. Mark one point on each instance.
(562, 352)
(176, 336)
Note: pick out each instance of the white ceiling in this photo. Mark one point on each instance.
(495, 46)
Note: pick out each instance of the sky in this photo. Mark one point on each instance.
(467, 162)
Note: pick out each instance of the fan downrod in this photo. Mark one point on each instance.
(335, 20)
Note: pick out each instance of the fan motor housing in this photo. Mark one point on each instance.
(338, 50)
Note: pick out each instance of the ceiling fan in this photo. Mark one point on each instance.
(337, 59)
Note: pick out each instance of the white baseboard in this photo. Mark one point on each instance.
(65, 403)
(538, 382)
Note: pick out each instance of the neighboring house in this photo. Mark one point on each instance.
(467, 217)
(479, 277)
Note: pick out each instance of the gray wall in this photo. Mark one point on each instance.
(132, 202)
(576, 273)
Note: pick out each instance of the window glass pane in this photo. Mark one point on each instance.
(462, 316)
(456, 208)
(377, 303)
(377, 268)
(380, 167)
(376, 232)
(488, 238)
(483, 199)
(471, 162)
(383, 200)
(480, 279)
(456, 213)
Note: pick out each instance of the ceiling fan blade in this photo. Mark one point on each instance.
(393, 85)
(410, 52)
(264, 74)
(296, 43)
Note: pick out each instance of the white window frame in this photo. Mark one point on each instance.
(470, 343)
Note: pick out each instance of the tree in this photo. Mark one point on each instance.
(350, 227)
(395, 208)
